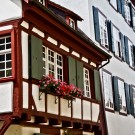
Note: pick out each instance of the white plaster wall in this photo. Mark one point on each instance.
(95, 112)
(51, 106)
(25, 95)
(24, 42)
(6, 97)
(20, 130)
(77, 108)
(86, 110)
(10, 9)
(65, 110)
(40, 104)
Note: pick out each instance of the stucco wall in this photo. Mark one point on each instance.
(10, 9)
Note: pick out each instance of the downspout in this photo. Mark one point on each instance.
(108, 60)
(105, 129)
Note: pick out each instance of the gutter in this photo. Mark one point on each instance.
(108, 60)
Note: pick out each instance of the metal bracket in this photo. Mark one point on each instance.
(40, 93)
(56, 99)
(69, 103)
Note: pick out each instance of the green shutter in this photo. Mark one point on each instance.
(110, 36)
(123, 46)
(131, 100)
(97, 85)
(126, 49)
(123, 7)
(36, 58)
(127, 98)
(79, 67)
(116, 94)
(72, 70)
(96, 24)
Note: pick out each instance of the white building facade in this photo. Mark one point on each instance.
(110, 24)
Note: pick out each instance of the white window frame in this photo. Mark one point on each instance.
(54, 63)
(108, 92)
(122, 98)
(127, 12)
(86, 78)
(114, 3)
(134, 97)
(103, 30)
(71, 23)
(130, 45)
(117, 42)
(5, 52)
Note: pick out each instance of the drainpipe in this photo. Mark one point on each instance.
(108, 60)
(104, 121)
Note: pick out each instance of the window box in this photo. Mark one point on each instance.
(55, 87)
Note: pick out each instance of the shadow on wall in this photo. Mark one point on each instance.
(17, 3)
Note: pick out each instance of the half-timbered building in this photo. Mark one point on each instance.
(40, 38)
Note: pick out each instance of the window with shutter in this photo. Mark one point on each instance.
(132, 99)
(100, 25)
(53, 63)
(108, 94)
(122, 46)
(133, 17)
(131, 53)
(121, 87)
(127, 12)
(117, 43)
(103, 30)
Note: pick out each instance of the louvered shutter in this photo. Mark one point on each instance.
(110, 36)
(119, 6)
(131, 13)
(122, 7)
(97, 85)
(79, 67)
(127, 95)
(36, 62)
(133, 55)
(116, 94)
(123, 46)
(126, 49)
(96, 24)
(72, 70)
(131, 100)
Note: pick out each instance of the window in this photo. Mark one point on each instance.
(71, 23)
(53, 63)
(100, 27)
(122, 99)
(103, 30)
(134, 98)
(114, 3)
(133, 17)
(131, 54)
(5, 57)
(117, 44)
(87, 92)
(108, 95)
(127, 12)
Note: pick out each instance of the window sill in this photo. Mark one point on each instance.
(124, 114)
(117, 57)
(110, 110)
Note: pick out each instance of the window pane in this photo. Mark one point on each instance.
(107, 84)
(5, 57)
(87, 92)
